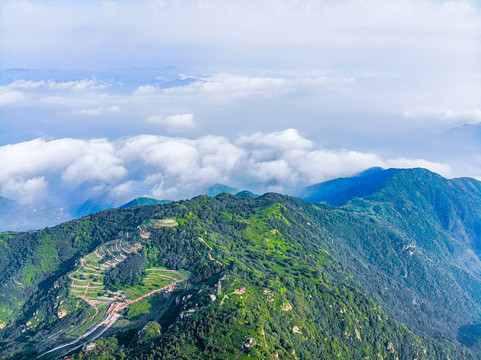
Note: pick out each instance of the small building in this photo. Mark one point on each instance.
(89, 347)
(248, 343)
(240, 291)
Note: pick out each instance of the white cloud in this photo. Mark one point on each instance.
(83, 97)
(80, 85)
(278, 171)
(267, 148)
(160, 192)
(281, 140)
(35, 157)
(321, 164)
(227, 87)
(95, 111)
(464, 117)
(218, 152)
(124, 190)
(77, 85)
(443, 117)
(87, 112)
(73, 160)
(27, 84)
(174, 123)
(177, 167)
(25, 191)
(146, 90)
(231, 104)
(97, 164)
(8, 97)
(175, 157)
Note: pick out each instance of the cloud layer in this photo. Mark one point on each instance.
(177, 167)
(214, 84)
(321, 103)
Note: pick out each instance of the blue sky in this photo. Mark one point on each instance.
(164, 98)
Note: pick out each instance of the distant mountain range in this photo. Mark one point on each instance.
(88, 198)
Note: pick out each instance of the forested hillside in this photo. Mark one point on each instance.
(395, 274)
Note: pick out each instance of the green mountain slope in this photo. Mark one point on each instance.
(431, 262)
(195, 279)
(247, 194)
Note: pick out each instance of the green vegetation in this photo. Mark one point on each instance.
(127, 273)
(149, 333)
(391, 274)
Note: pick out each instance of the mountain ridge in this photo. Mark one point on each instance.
(142, 201)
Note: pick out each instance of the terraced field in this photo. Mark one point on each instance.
(87, 280)
(88, 285)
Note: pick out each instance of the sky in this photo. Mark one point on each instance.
(166, 98)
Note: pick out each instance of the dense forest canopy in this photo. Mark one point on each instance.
(393, 274)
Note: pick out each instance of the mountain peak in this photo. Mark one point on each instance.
(341, 190)
(217, 189)
(141, 201)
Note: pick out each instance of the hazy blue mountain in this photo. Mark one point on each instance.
(463, 133)
(16, 216)
(219, 189)
(6, 203)
(341, 190)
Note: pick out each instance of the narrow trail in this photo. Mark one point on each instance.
(86, 292)
(211, 258)
(223, 299)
